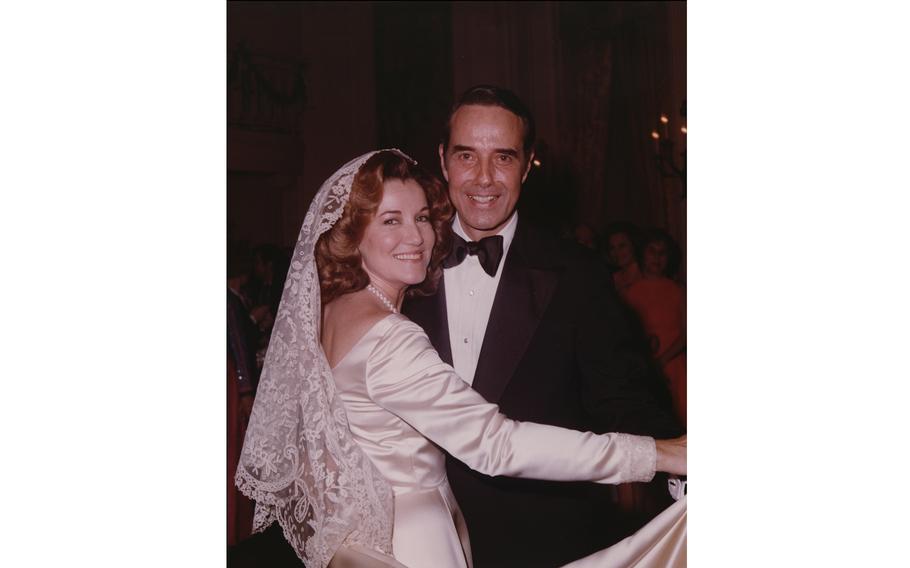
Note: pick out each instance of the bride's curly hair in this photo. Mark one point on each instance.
(337, 257)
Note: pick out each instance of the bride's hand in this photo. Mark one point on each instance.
(671, 455)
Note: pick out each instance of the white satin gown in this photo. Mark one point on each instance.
(405, 406)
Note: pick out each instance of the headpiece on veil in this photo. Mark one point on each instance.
(299, 460)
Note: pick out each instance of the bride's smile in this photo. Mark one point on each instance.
(398, 242)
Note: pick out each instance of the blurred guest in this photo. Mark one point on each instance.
(585, 236)
(620, 239)
(262, 292)
(236, 285)
(243, 338)
(264, 286)
(660, 255)
(239, 507)
(242, 342)
(661, 304)
(242, 376)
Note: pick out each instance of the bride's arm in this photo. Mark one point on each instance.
(406, 376)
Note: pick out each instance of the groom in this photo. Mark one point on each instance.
(535, 328)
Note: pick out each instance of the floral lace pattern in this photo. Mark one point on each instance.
(299, 460)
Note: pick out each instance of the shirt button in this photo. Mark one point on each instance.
(471, 293)
(465, 339)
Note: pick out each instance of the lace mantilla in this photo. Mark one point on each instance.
(299, 460)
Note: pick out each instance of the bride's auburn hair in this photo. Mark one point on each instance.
(337, 254)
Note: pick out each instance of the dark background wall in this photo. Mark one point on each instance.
(311, 85)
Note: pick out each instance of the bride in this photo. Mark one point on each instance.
(354, 408)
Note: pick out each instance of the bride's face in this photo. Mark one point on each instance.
(398, 243)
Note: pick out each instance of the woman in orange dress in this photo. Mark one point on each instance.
(661, 304)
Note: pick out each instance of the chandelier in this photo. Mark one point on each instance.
(671, 162)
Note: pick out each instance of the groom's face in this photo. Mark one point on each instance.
(485, 165)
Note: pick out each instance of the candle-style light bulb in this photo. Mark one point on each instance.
(656, 138)
(682, 129)
(664, 121)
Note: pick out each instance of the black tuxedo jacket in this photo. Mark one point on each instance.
(559, 349)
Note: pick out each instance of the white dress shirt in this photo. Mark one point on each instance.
(469, 299)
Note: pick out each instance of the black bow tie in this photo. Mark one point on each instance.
(487, 249)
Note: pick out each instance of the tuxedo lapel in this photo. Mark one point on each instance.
(522, 297)
(429, 312)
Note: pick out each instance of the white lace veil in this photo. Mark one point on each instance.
(299, 460)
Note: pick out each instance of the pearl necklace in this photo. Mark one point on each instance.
(382, 298)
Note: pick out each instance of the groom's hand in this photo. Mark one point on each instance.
(671, 455)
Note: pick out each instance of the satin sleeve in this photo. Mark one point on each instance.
(405, 376)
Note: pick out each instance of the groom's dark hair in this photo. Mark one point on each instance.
(489, 95)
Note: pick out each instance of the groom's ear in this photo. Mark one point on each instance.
(442, 162)
(528, 166)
